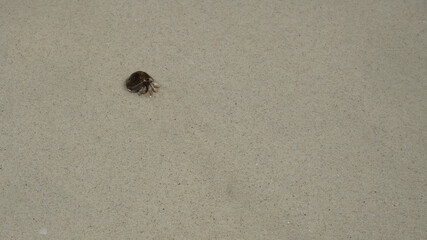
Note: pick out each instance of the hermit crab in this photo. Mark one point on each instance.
(141, 83)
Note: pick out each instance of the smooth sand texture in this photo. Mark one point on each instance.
(275, 120)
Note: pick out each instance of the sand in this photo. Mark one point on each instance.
(274, 120)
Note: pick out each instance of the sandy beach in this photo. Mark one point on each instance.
(274, 120)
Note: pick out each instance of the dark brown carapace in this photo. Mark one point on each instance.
(141, 83)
